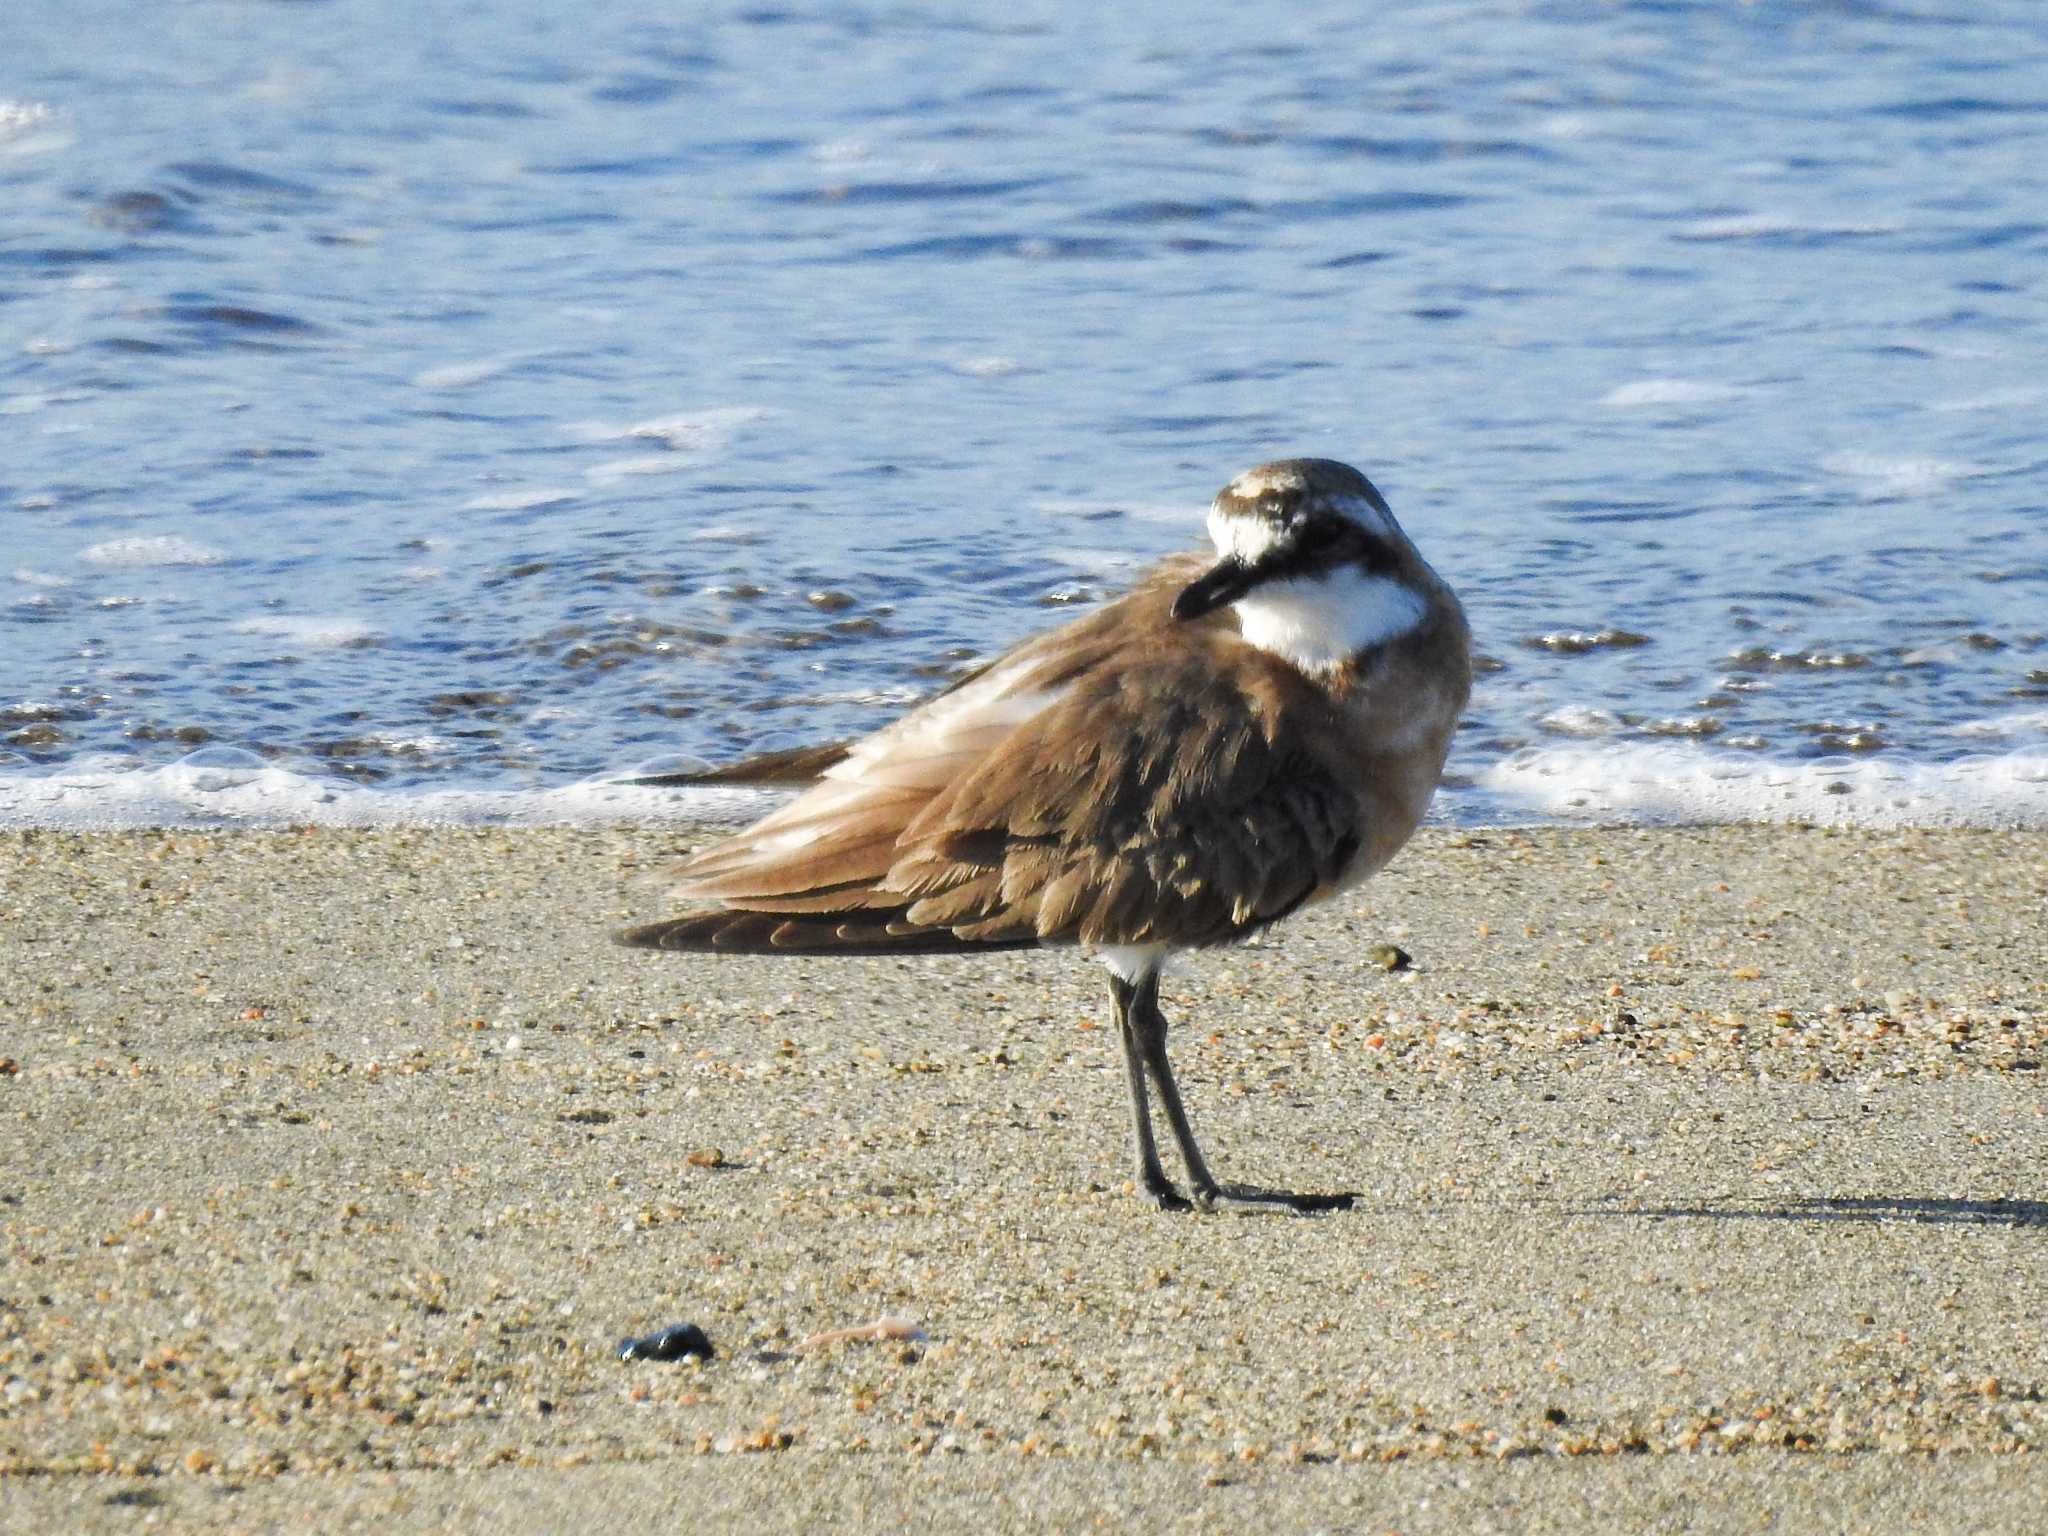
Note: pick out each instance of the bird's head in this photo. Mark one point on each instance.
(1305, 522)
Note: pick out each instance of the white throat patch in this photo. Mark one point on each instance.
(1321, 622)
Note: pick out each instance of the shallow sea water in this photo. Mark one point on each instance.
(414, 415)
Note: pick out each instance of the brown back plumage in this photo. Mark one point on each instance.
(1128, 779)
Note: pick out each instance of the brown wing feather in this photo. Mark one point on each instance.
(859, 856)
(1054, 798)
(1158, 802)
(795, 765)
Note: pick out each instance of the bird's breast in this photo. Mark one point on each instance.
(1397, 720)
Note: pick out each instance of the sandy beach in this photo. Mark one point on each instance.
(1703, 1176)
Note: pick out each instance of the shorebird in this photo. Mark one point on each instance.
(1239, 736)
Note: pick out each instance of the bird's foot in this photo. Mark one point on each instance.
(1252, 1194)
(1159, 1189)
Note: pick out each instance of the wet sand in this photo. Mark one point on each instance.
(1703, 1175)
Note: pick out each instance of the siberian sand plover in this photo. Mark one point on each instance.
(1237, 737)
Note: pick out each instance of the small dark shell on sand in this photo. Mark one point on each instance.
(669, 1344)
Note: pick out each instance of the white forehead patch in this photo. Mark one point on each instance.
(1324, 621)
(1250, 537)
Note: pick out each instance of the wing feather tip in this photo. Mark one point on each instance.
(671, 933)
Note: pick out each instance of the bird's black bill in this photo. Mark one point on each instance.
(1224, 582)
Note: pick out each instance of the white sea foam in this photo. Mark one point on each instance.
(987, 367)
(17, 116)
(1650, 783)
(651, 767)
(1659, 783)
(699, 433)
(889, 698)
(419, 744)
(1884, 478)
(465, 375)
(1669, 392)
(311, 629)
(160, 549)
(642, 464)
(1580, 720)
(521, 501)
(1776, 227)
(229, 787)
(30, 128)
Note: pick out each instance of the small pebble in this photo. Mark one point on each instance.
(671, 1343)
(1390, 957)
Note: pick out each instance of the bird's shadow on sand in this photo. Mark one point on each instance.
(1862, 1208)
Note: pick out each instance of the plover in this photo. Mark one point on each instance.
(1239, 736)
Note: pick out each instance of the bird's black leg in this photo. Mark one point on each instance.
(1151, 1177)
(1144, 1023)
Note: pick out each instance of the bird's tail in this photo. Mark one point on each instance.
(738, 932)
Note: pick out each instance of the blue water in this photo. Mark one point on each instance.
(496, 398)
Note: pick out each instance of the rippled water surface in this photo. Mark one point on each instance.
(496, 400)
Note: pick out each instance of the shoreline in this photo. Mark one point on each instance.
(1577, 783)
(342, 1160)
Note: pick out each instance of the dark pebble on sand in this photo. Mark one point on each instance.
(669, 1344)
